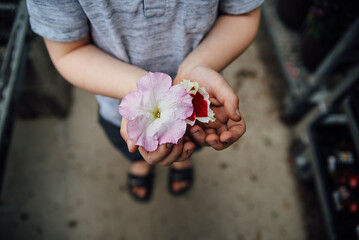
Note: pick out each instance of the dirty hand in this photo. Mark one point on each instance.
(229, 125)
(165, 154)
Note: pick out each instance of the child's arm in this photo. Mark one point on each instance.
(229, 37)
(89, 68)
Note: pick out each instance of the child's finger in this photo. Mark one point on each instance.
(130, 143)
(227, 137)
(215, 102)
(210, 131)
(174, 154)
(221, 128)
(225, 94)
(231, 104)
(198, 135)
(188, 148)
(213, 141)
(236, 130)
(124, 129)
(157, 156)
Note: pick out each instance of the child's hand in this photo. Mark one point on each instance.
(219, 134)
(165, 154)
(229, 125)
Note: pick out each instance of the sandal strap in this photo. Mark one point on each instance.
(177, 175)
(139, 181)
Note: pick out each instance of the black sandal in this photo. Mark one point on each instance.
(177, 175)
(140, 181)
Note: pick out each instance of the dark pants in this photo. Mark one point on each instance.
(113, 133)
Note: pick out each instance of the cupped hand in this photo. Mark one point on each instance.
(229, 125)
(165, 154)
(219, 134)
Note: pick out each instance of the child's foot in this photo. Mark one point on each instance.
(139, 173)
(181, 177)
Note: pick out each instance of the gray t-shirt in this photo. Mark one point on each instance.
(155, 35)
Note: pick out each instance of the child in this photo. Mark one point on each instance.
(106, 46)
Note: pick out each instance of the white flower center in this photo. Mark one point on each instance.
(156, 113)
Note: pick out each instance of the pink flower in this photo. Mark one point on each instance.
(156, 112)
(201, 104)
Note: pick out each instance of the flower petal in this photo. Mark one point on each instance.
(191, 87)
(200, 101)
(157, 111)
(210, 114)
(131, 105)
(200, 105)
(154, 82)
(176, 104)
(140, 131)
(170, 131)
(154, 87)
(191, 121)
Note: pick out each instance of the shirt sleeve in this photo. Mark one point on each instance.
(236, 7)
(58, 20)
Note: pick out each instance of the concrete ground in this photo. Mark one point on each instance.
(65, 181)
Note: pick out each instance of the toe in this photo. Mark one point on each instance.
(139, 191)
(178, 186)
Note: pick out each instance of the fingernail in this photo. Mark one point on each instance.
(189, 152)
(238, 113)
(213, 143)
(195, 132)
(169, 145)
(129, 144)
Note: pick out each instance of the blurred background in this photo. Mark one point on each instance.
(293, 175)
